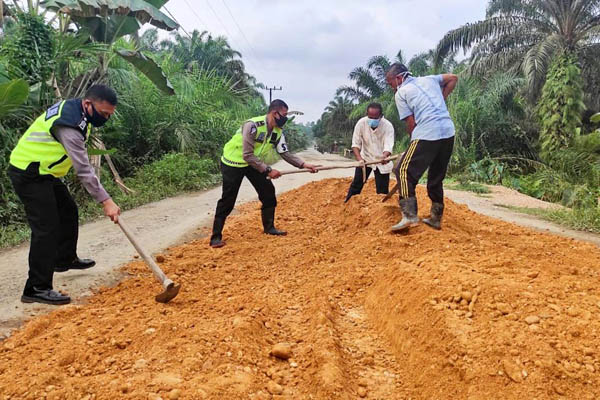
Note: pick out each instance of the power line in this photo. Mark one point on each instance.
(241, 31)
(222, 24)
(197, 15)
(177, 22)
(219, 19)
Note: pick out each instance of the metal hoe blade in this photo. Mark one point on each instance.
(169, 294)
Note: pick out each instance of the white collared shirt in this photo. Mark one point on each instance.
(373, 142)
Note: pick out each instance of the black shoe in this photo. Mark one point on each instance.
(46, 296)
(78, 263)
(268, 220)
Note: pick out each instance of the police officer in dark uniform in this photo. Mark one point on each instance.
(44, 154)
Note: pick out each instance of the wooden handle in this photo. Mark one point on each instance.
(158, 273)
(339, 166)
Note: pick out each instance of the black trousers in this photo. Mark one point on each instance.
(421, 155)
(232, 180)
(382, 182)
(54, 221)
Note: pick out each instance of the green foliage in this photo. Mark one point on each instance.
(583, 219)
(491, 122)
(12, 95)
(296, 137)
(200, 119)
(148, 127)
(202, 51)
(468, 186)
(109, 20)
(561, 105)
(525, 36)
(29, 49)
(148, 67)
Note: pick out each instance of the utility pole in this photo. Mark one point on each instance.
(269, 89)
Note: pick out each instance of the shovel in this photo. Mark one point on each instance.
(171, 289)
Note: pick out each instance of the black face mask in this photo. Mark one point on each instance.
(96, 119)
(281, 121)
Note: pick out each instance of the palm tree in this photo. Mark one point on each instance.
(203, 51)
(527, 35)
(370, 81)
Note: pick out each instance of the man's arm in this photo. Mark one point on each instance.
(357, 142)
(291, 158)
(357, 155)
(74, 145)
(388, 141)
(410, 124)
(248, 135)
(448, 84)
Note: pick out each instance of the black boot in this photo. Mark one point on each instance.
(435, 220)
(348, 196)
(409, 214)
(268, 220)
(216, 239)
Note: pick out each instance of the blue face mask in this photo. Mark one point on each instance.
(373, 123)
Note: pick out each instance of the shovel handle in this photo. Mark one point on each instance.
(158, 273)
(349, 165)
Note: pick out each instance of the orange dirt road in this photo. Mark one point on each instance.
(480, 310)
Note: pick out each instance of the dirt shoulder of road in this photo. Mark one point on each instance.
(179, 219)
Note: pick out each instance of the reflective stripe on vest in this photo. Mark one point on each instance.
(38, 145)
(264, 149)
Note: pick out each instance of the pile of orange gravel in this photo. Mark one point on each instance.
(339, 309)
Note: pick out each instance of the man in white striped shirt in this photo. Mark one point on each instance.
(373, 140)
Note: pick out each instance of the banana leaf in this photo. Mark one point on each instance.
(124, 16)
(149, 68)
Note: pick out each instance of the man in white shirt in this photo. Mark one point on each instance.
(373, 140)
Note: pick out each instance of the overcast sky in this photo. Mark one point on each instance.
(310, 46)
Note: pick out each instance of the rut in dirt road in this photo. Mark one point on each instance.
(482, 309)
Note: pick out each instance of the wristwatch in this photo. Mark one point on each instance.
(268, 170)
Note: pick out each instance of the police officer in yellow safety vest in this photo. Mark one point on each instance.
(255, 145)
(44, 154)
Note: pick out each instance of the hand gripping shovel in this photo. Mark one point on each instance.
(171, 289)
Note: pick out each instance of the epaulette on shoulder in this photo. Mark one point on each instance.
(259, 123)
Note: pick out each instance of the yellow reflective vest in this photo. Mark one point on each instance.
(265, 145)
(38, 145)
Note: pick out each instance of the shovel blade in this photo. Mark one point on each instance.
(169, 294)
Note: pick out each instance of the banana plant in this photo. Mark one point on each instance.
(109, 20)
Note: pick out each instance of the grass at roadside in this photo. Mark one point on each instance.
(170, 176)
(467, 186)
(587, 219)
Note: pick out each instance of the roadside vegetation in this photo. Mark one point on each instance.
(180, 98)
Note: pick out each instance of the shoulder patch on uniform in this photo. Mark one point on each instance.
(52, 111)
(83, 125)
